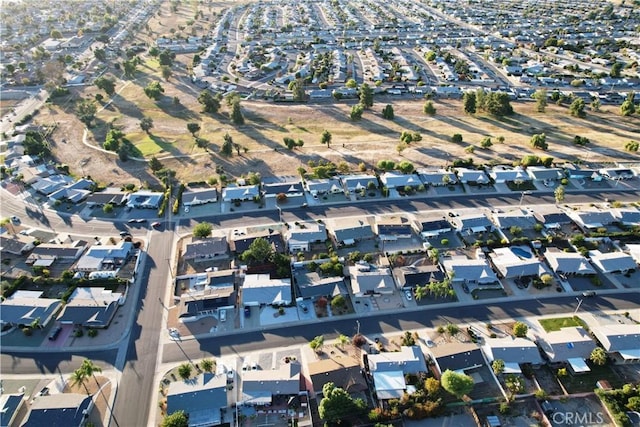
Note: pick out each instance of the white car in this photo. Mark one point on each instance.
(186, 209)
(408, 295)
(429, 343)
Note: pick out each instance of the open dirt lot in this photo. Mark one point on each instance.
(260, 139)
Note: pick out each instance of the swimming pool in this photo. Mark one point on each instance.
(522, 252)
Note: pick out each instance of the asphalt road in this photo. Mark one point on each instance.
(136, 385)
(380, 323)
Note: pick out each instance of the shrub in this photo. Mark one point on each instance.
(92, 333)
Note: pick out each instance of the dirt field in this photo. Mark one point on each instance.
(368, 141)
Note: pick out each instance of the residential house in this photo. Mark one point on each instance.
(348, 231)
(514, 352)
(240, 241)
(472, 176)
(105, 257)
(91, 307)
(617, 173)
(301, 235)
(318, 187)
(203, 399)
(109, 196)
(309, 284)
(571, 345)
(369, 280)
(16, 244)
(195, 197)
(261, 289)
(10, 407)
(24, 307)
(354, 183)
(74, 192)
(388, 370)
(457, 357)
(242, 193)
(433, 226)
(47, 253)
(463, 270)
(575, 172)
(551, 218)
(201, 250)
(612, 262)
(634, 251)
(568, 263)
(264, 387)
(437, 177)
(59, 409)
(592, 220)
(145, 199)
(198, 303)
(627, 217)
(344, 372)
(400, 180)
(510, 265)
(502, 174)
(621, 341)
(50, 184)
(524, 220)
(393, 228)
(411, 276)
(544, 174)
(472, 223)
(290, 189)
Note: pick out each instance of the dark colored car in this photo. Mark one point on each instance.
(54, 334)
(247, 312)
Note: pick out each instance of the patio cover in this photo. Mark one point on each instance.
(512, 368)
(578, 365)
(630, 354)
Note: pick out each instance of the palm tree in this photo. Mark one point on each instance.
(420, 292)
(207, 365)
(343, 339)
(79, 377)
(90, 369)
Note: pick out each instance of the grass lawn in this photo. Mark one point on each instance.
(556, 323)
(580, 383)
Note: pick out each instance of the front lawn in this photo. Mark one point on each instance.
(556, 323)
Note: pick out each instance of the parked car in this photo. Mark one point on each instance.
(254, 366)
(156, 224)
(15, 219)
(589, 294)
(407, 294)
(54, 333)
(429, 343)
(141, 220)
(465, 288)
(124, 233)
(223, 315)
(247, 311)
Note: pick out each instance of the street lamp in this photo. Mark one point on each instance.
(579, 304)
(522, 197)
(358, 330)
(279, 212)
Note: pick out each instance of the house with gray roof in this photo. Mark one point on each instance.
(324, 186)
(73, 192)
(358, 182)
(621, 341)
(617, 173)
(290, 189)
(10, 405)
(202, 398)
(612, 262)
(110, 196)
(205, 302)
(206, 249)
(16, 244)
(393, 227)
(472, 176)
(23, 307)
(409, 360)
(412, 276)
(502, 174)
(309, 284)
(240, 242)
(572, 345)
(472, 223)
(514, 352)
(194, 197)
(348, 231)
(345, 373)
(91, 307)
(469, 271)
(301, 235)
(59, 410)
(105, 257)
(518, 218)
(436, 178)
(510, 265)
(145, 199)
(367, 279)
(592, 220)
(551, 219)
(242, 193)
(47, 253)
(262, 387)
(399, 180)
(261, 289)
(627, 217)
(570, 263)
(541, 173)
(456, 356)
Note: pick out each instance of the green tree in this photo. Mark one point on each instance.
(351, 84)
(317, 343)
(633, 403)
(154, 90)
(297, 89)
(632, 146)
(260, 252)
(177, 419)
(202, 230)
(326, 138)
(598, 356)
(577, 108)
(497, 104)
(559, 194)
(338, 405)
(342, 340)
(236, 113)
(497, 366)
(193, 128)
(405, 166)
(155, 164)
(106, 84)
(166, 72)
(227, 145)
(166, 57)
(79, 377)
(210, 103)
(432, 386)
(207, 365)
(86, 110)
(184, 371)
(616, 69)
(387, 112)
(469, 102)
(338, 302)
(130, 67)
(100, 54)
(107, 208)
(146, 123)
(55, 34)
(486, 142)
(456, 138)
(540, 96)
(539, 140)
(356, 112)
(456, 383)
(520, 329)
(429, 108)
(366, 96)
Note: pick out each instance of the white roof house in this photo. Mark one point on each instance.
(513, 352)
(366, 280)
(612, 262)
(568, 263)
(262, 289)
(409, 360)
(469, 271)
(395, 180)
(572, 345)
(247, 192)
(621, 339)
(105, 257)
(510, 265)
